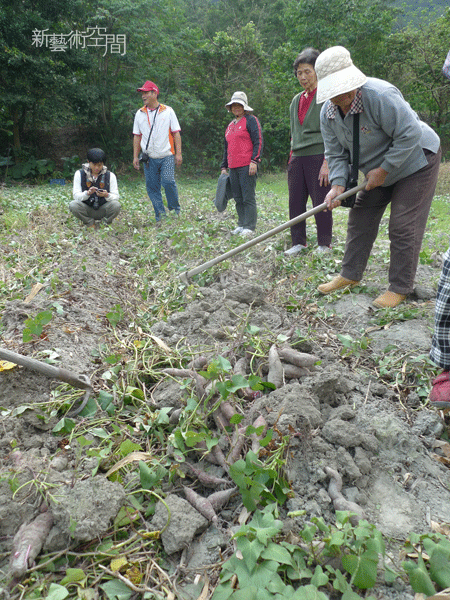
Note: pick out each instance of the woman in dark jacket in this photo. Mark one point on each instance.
(242, 154)
(308, 169)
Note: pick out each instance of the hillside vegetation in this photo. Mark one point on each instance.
(57, 104)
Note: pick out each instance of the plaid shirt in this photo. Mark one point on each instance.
(440, 344)
(355, 107)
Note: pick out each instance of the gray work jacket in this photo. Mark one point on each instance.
(391, 135)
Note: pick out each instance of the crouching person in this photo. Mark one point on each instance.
(95, 191)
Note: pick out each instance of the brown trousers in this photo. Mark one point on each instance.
(410, 200)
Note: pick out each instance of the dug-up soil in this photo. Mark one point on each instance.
(380, 438)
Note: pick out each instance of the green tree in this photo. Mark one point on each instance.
(29, 76)
(359, 25)
(232, 60)
(418, 53)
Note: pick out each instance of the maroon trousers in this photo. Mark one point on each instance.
(303, 181)
(410, 200)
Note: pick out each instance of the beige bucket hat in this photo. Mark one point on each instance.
(336, 74)
(239, 98)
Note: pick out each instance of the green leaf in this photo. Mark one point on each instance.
(308, 533)
(222, 592)
(63, 426)
(135, 392)
(116, 590)
(146, 475)
(308, 592)
(26, 335)
(418, 577)
(106, 401)
(278, 553)
(248, 593)
(82, 441)
(363, 569)
(163, 416)
(73, 576)
(251, 551)
(340, 583)
(236, 419)
(319, 578)
(222, 388)
(389, 574)
(56, 592)
(322, 526)
(439, 566)
(44, 317)
(237, 383)
(115, 315)
(267, 438)
(192, 438)
(255, 382)
(127, 447)
(253, 329)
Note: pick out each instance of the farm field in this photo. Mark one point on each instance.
(182, 408)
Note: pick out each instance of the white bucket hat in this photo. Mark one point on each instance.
(239, 98)
(336, 74)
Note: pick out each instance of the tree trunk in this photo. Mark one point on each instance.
(16, 131)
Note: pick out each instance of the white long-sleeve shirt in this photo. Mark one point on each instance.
(79, 195)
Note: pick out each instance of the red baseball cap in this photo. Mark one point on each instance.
(149, 86)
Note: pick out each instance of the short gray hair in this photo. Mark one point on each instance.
(307, 56)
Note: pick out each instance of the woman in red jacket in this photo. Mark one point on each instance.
(242, 154)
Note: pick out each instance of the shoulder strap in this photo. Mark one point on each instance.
(153, 125)
(355, 161)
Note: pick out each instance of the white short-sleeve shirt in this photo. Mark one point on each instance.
(164, 124)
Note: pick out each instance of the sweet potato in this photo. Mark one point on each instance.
(27, 543)
(299, 359)
(216, 451)
(259, 422)
(240, 367)
(200, 382)
(219, 499)
(184, 373)
(220, 420)
(293, 372)
(275, 374)
(209, 456)
(175, 416)
(205, 478)
(237, 443)
(199, 362)
(227, 409)
(339, 501)
(203, 505)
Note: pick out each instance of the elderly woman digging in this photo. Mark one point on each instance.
(399, 156)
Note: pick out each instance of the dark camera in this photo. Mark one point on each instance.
(144, 157)
(350, 201)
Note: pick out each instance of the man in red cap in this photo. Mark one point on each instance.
(157, 145)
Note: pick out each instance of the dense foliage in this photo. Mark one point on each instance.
(199, 52)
